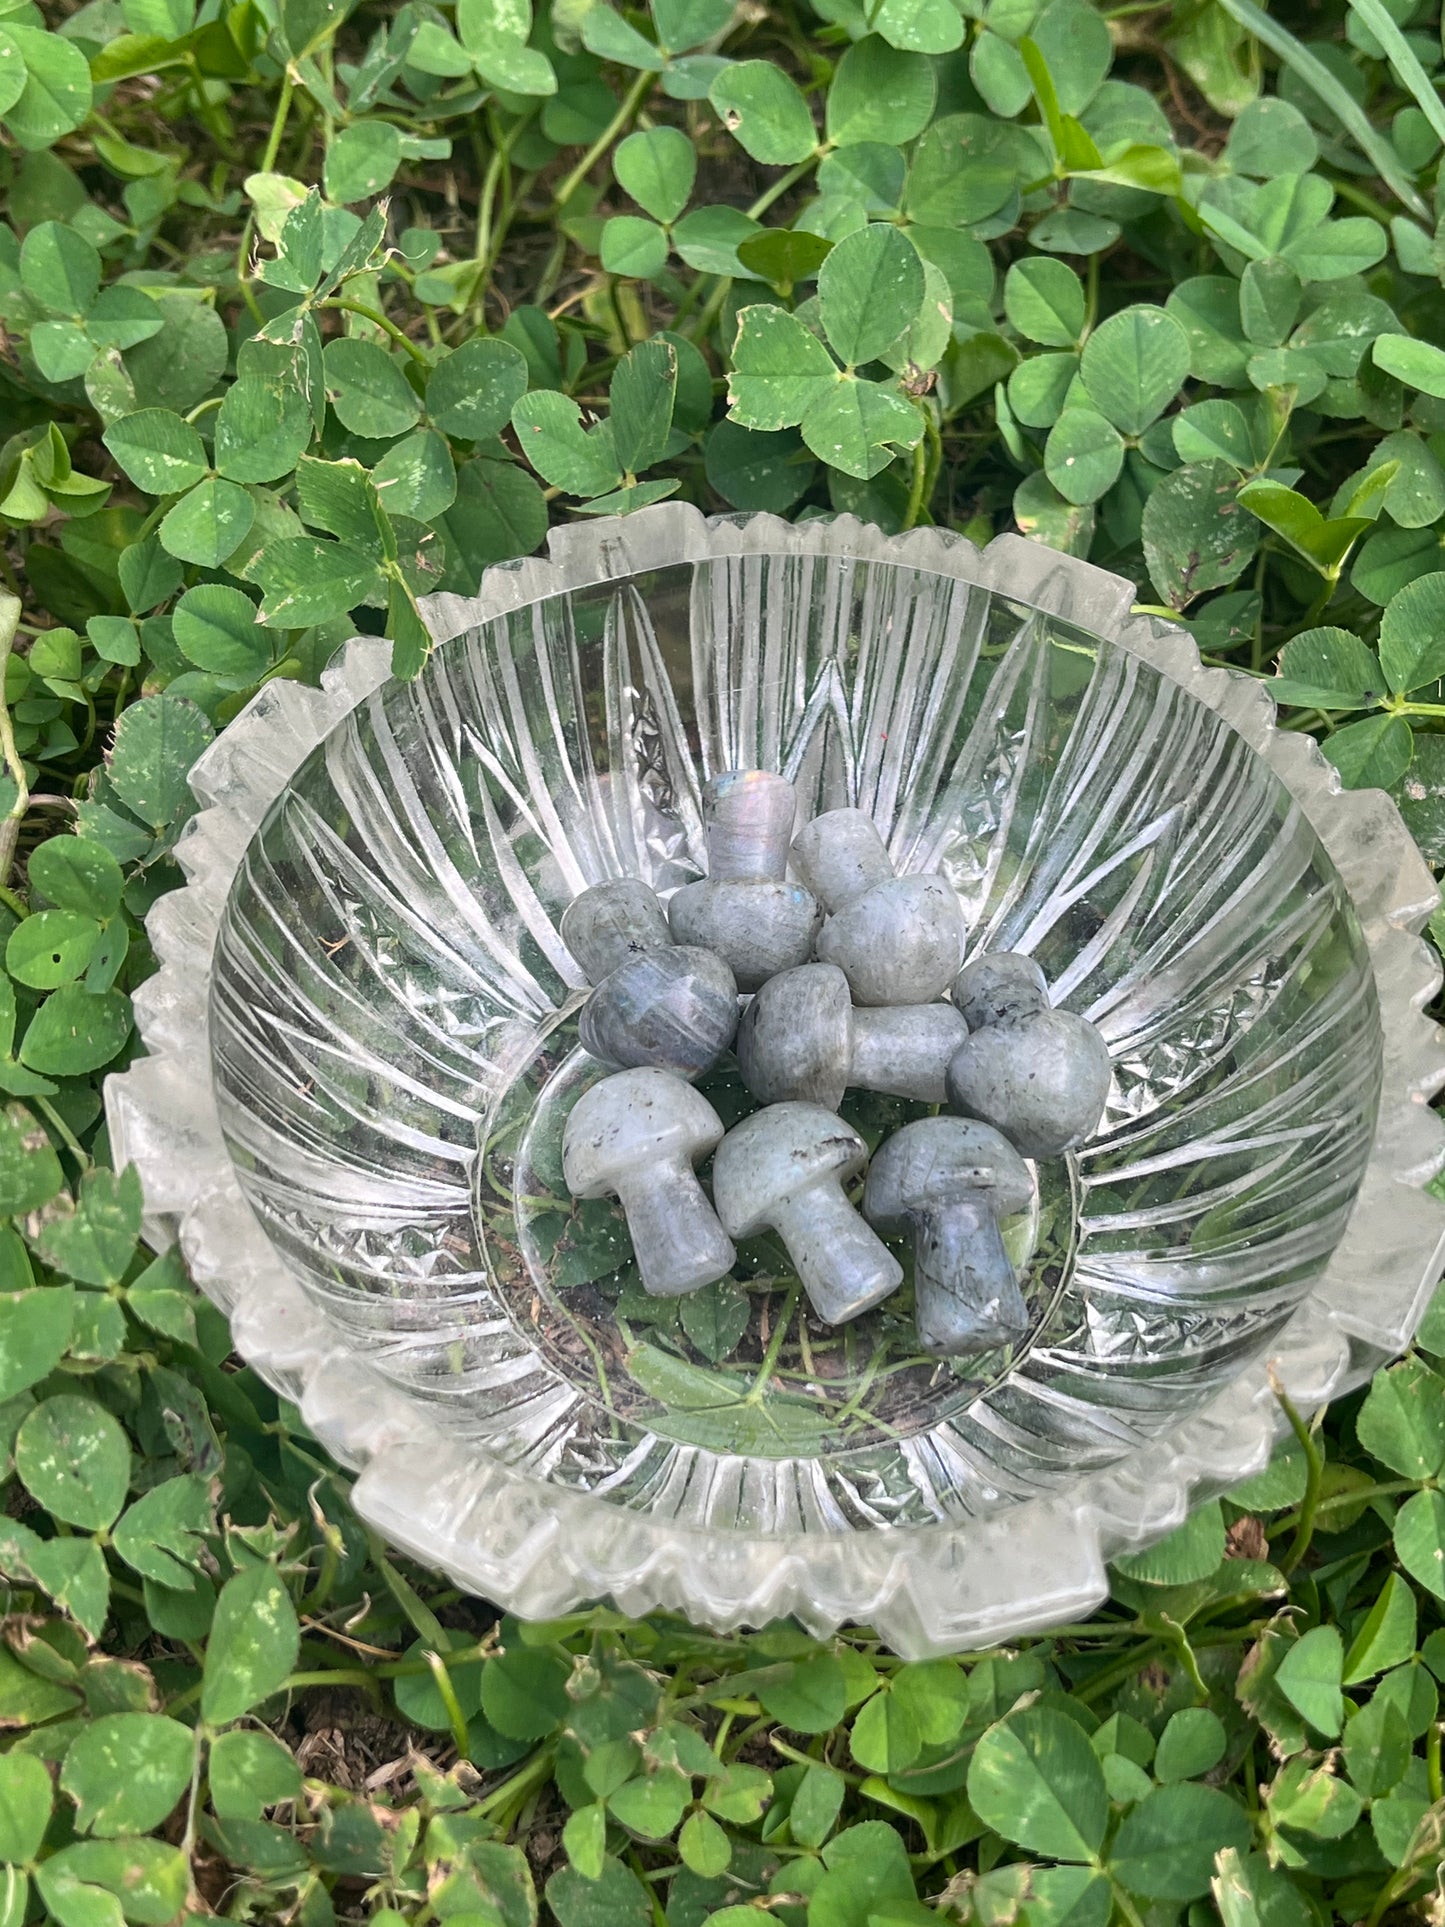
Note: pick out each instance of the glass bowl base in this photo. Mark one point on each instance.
(744, 1366)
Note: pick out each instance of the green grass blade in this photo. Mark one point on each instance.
(1404, 60)
(1322, 83)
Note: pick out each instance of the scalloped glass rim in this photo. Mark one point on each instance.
(540, 1551)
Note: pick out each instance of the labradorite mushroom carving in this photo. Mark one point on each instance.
(744, 911)
(1040, 1076)
(611, 922)
(801, 1038)
(998, 988)
(655, 1003)
(636, 1136)
(784, 1168)
(947, 1182)
(897, 939)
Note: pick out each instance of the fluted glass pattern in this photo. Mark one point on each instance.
(393, 1029)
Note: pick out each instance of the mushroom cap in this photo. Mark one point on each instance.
(839, 855)
(1043, 1081)
(638, 1120)
(775, 1157)
(676, 1009)
(899, 943)
(998, 987)
(940, 1161)
(612, 921)
(795, 1039)
(757, 929)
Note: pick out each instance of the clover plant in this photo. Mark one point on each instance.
(310, 308)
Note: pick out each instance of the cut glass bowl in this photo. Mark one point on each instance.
(363, 1046)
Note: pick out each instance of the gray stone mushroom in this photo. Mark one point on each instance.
(897, 939)
(611, 922)
(801, 1038)
(636, 1136)
(999, 987)
(785, 1168)
(744, 910)
(655, 1003)
(1040, 1076)
(947, 1182)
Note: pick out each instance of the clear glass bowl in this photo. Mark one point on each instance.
(364, 1049)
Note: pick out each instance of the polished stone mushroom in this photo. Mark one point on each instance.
(784, 1168)
(947, 1182)
(998, 988)
(801, 1038)
(636, 1136)
(1040, 1076)
(743, 910)
(897, 939)
(611, 922)
(655, 1003)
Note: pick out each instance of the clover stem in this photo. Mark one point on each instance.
(1323, 599)
(779, 1334)
(491, 177)
(1314, 1478)
(915, 492)
(1366, 203)
(689, 301)
(448, 1694)
(933, 442)
(193, 1795)
(631, 105)
(375, 316)
(1179, 1639)
(599, 1363)
(703, 325)
(268, 161)
(1353, 1495)
(550, 275)
(634, 1860)
(1127, 1908)
(496, 230)
(535, 1770)
(60, 1127)
(866, 1378)
(1399, 1883)
(205, 108)
(278, 122)
(781, 185)
(10, 607)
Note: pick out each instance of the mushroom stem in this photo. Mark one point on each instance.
(749, 815)
(904, 1050)
(676, 1238)
(845, 1268)
(965, 1289)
